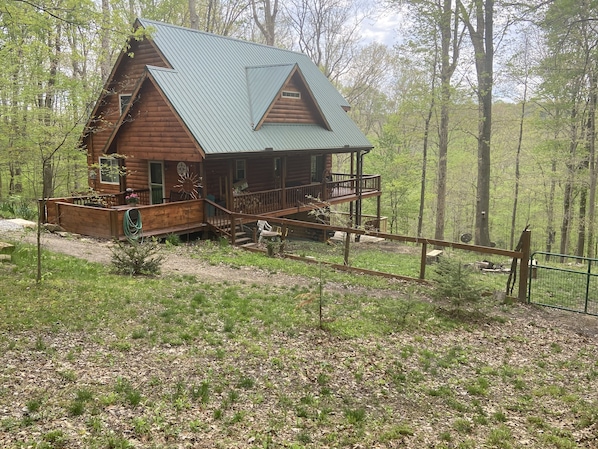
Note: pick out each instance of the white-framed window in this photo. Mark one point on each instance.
(291, 94)
(240, 171)
(109, 170)
(124, 100)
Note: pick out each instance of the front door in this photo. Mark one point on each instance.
(156, 181)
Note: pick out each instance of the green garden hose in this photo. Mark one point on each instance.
(132, 224)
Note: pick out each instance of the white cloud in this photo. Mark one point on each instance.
(383, 29)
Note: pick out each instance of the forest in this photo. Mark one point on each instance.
(482, 113)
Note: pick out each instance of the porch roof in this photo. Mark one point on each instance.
(209, 88)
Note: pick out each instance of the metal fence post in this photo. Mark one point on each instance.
(588, 279)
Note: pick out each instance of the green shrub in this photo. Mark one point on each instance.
(173, 240)
(455, 282)
(137, 258)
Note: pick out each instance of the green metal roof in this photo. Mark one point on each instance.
(221, 88)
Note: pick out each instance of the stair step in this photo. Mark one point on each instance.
(242, 240)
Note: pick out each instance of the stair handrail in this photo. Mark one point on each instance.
(219, 217)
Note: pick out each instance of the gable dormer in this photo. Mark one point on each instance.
(280, 95)
(126, 72)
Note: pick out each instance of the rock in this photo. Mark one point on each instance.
(51, 227)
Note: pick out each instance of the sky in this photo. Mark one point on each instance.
(383, 29)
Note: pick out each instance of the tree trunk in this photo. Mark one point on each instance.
(48, 179)
(105, 63)
(517, 171)
(591, 133)
(551, 233)
(447, 68)
(422, 190)
(193, 17)
(267, 25)
(581, 228)
(567, 200)
(483, 44)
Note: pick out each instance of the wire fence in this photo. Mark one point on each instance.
(564, 282)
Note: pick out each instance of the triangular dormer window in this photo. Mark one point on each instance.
(281, 95)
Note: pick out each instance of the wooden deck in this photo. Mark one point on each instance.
(108, 222)
(103, 216)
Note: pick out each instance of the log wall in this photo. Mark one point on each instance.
(298, 169)
(154, 132)
(216, 170)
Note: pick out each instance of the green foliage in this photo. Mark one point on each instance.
(135, 258)
(17, 207)
(173, 240)
(201, 392)
(128, 394)
(455, 282)
(355, 416)
(55, 439)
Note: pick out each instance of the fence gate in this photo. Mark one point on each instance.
(564, 282)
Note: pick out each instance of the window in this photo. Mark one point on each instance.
(109, 170)
(240, 169)
(291, 94)
(124, 101)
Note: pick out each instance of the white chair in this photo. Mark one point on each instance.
(265, 230)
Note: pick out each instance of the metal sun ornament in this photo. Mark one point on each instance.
(188, 185)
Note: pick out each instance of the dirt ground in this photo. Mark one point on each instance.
(176, 261)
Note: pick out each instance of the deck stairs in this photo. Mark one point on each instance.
(243, 235)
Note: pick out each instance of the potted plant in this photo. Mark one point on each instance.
(131, 198)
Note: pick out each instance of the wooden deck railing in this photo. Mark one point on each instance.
(219, 219)
(258, 202)
(266, 201)
(107, 222)
(108, 199)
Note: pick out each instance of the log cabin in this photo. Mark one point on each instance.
(200, 126)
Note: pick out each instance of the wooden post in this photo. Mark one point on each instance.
(526, 239)
(233, 229)
(114, 228)
(422, 264)
(283, 184)
(378, 213)
(57, 211)
(202, 176)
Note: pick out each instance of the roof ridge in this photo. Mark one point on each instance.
(234, 39)
(162, 69)
(265, 66)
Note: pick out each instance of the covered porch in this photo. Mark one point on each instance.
(104, 215)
